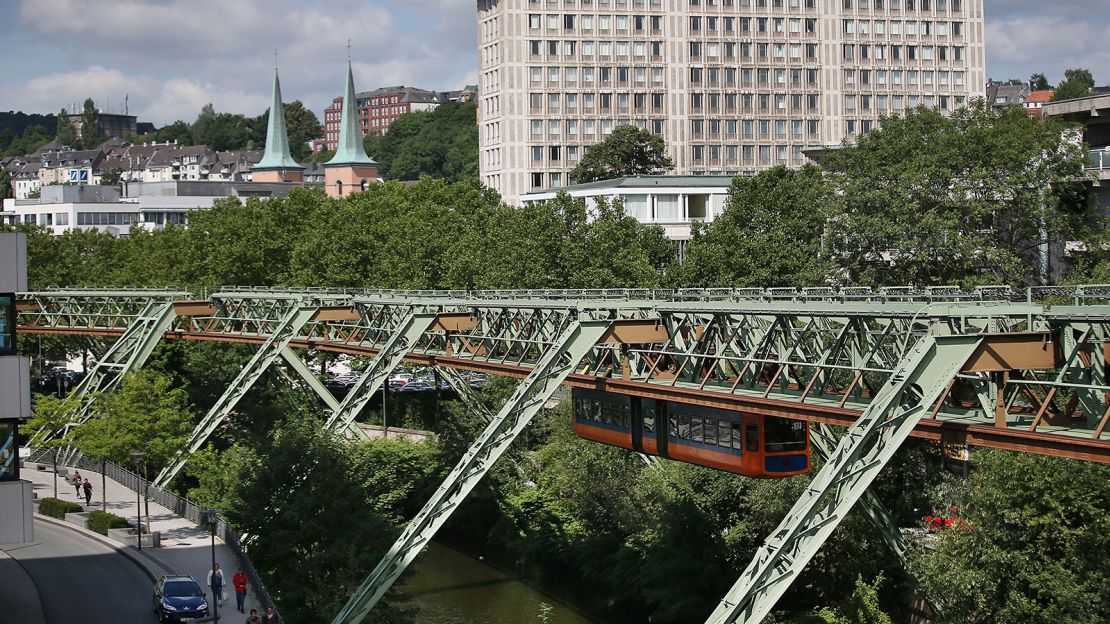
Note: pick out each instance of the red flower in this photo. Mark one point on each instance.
(953, 509)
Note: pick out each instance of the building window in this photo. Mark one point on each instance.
(339, 187)
(7, 324)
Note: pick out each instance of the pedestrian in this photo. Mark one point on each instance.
(77, 483)
(88, 493)
(216, 582)
(239, 581)
(254, 619)
(270, 615)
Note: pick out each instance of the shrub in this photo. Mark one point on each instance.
(101, 521)
(58, 508)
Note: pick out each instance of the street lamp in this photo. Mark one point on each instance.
(137, 456)
(210, 517)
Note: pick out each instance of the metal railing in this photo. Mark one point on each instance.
(1099, 159)
(186, 509)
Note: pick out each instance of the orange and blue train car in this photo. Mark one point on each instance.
(749, 444)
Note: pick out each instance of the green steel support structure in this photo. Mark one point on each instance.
(992, 368)
(550, 371)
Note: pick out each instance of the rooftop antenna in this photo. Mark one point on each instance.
(125, 110)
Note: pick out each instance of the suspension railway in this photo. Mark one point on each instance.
(1017, 370)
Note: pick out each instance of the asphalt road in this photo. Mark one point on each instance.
(83, 581)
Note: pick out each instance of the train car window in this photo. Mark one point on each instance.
(649, 419)
(737, 439)
(696, 428)
(752, 433)
(684, 426)
(674, 426)
(784, 434)
(724, 434)
(709, 431)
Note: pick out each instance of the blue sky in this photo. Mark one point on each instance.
(170, 57)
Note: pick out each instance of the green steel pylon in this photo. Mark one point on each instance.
(534, 390)
(287, 329)
(916, 384)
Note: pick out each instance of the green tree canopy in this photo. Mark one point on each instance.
(441, 143)
(628, 150)
(6, 189)
(221, 131)
(66, 133)
(1038, 82)
(90, 136)
(930, 198)
(1077, 83)
(177, 131)
(769, 234)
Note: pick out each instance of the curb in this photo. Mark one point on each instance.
(153, 568)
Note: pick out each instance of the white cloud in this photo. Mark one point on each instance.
(1021, 46)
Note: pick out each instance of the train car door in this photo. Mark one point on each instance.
(637, 425)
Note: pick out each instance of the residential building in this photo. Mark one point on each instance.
(1001, 94)
(69, 167)
(1034, 104)
(379, 108)
(732, 86)
(15, 395)
(672, 202)
(1093, 113)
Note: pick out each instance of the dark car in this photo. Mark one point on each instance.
(179, 599)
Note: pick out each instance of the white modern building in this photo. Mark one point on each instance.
(150, 205)
(733, 86)
(674, 203)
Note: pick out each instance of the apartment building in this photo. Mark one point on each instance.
(733, 86)
(376, 110)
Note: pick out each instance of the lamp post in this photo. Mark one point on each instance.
(137, 456)
(210, 516)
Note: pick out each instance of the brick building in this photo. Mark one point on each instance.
(377, 109)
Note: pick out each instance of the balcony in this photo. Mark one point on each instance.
(1099, 160)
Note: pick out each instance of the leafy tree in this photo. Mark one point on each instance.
(301, 124)
(1077, 83)
(769, 234)
(627, 151)
(67, 133)
(177, 131)
(221, 131)
(90, 137)
(34, 137)
(1038, 82)
(146, 414)
(442, 143)
(1032, 549)
(6, 185)
(50, 415)
(862, 607)
(970, 208)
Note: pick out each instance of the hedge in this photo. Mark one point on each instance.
(58, 508)
(101, 521)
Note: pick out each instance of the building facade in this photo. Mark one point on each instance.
(15, 395)
(376, 110)
(733, 86)
(108, 125)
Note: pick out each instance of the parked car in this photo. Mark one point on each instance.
(416, 386)
(179, 599)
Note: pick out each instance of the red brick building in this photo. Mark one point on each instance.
(376, 110)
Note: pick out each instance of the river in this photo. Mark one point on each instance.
(449, 587)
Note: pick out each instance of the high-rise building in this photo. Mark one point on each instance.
(733, 86)
(15, 395)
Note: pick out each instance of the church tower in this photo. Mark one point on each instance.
(277, 165)
(350, 170)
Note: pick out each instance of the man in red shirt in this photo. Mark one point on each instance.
(240, 583)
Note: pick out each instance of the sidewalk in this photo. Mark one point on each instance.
(186, 548)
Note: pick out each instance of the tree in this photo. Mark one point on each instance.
(769, 234)
(67, 133)
(1038, 82)
(6, 189)
(90, 136)
(146, 414)
(301, 125)
(1030, 546)
(627, 151)
(49, 416)
(221, 131)
(942, 199)
(178, 131)
(1077, 83)
(442, 143)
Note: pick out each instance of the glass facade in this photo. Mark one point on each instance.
(7, 324)
(9, 451)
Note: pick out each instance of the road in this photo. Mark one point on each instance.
(81, 580)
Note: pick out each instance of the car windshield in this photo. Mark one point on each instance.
(182, 589)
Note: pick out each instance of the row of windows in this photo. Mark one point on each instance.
(752, 127)
(107, 218)
(747, 153)
(711, 431)
(896, 27)
(572, 127)
(898, 77)
(864, 51)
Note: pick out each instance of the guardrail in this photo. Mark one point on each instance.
(186, 509)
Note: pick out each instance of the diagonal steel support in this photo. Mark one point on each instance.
(403, 338)
(916, 384)
(271, 350)
(465, 393)
(127, 354)
(534, 390)
(823, 442)
(309, 377)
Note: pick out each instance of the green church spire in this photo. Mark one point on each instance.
(277, 139)
(349, 151)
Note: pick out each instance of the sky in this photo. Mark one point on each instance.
(171, 57)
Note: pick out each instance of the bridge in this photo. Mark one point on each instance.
(1000, 368)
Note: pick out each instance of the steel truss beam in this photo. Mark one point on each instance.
(571, 345)
(918, 382)
(288, 327)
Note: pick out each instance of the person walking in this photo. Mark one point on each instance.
(239, 581)
(77, 483)
(88, 493)
(216, 582)
(254, 619)
(270, 616)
